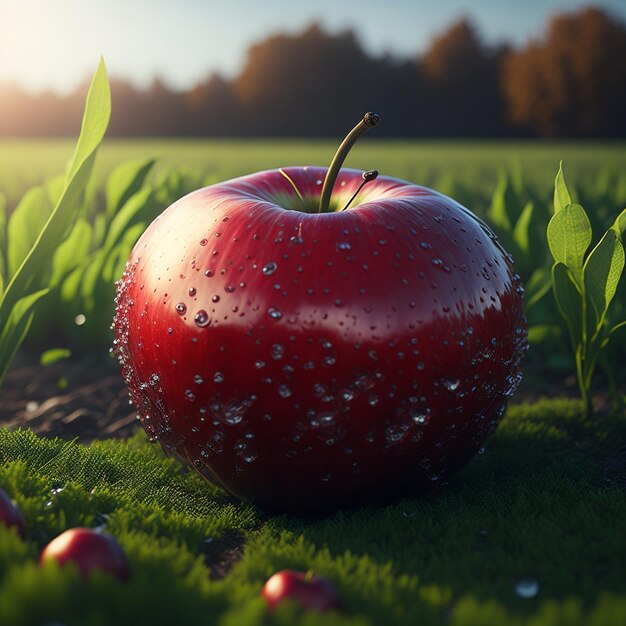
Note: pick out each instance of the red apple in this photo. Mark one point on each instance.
(311, 592)
(90, 550)
(306, 360)
(10, 515)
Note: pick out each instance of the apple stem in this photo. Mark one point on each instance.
(367, 177)
(369, 120)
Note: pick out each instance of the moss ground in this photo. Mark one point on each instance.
(545, 503)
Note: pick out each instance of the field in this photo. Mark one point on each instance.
(531, 532)
(444, 165)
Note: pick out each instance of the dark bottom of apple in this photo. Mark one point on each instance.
(299, 493)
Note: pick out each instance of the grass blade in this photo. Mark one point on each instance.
(95, 122)
(24, 225)
(16, 328)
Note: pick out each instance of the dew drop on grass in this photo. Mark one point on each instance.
(527, 587)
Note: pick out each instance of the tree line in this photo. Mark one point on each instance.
(571, 83)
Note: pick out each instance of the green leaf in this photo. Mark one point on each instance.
(602, 272)
(54, 355)
(569, 301)
(619, 226)
(521, 232)
(24, 226)
(54, 188)
(569, 236)
(99, 226)
(125, 216)
(537, 287)
(3, 218)
(72, 252)
(561, 196)
(16, 328)
(70, 287)
(3, 224)
(125, 180)
(540, 333)
(118, 257)
(95, 122)
(505, 206)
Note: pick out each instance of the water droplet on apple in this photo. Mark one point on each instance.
(269, 268)
(343, 245)
(215, 299)
(278, 351)
(201, 318)
(274, 313)
(218, 377)
(451, 385)
(259, 364)
(181, 308)
(284, 391)
(373, 400)
(198, 379)
(190, 395)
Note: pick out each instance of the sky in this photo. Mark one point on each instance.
(56, 44)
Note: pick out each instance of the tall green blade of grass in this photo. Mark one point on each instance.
(19, 294)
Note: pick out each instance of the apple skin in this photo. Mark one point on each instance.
(311, 592)
(89, 550)
(10, 515)
(308, 361)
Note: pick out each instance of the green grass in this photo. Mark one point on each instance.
(544, 501)
(452, 166)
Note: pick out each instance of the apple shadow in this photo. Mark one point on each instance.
(541, 503)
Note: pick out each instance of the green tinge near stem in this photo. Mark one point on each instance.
(369, 120)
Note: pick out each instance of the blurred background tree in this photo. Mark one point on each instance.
(574, 82)
(570, 84)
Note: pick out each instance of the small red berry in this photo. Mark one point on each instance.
(311, 592)
(90, 550)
